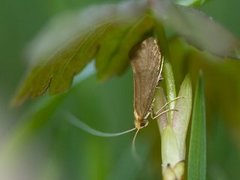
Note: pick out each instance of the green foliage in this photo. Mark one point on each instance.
(113, 56)
(197, 164)
(32, 125)
(64, 152)
(108, 33)
(174, 126)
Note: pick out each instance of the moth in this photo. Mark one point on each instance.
(147, 64)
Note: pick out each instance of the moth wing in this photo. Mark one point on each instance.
(146, 64)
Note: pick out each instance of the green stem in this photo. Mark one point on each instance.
(170, 88)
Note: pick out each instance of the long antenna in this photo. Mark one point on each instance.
(134, 151)
(76, 122)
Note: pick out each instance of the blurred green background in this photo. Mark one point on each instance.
(36, 141)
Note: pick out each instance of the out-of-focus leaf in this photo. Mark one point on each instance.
(190, 2)
(223, 97)
(32, 125)
(197, 28)
(108, 33)
(40, 114)
(118, 52)
(69, 42)
(197, 150)
(63, 30)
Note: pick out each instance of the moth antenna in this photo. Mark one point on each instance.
(81, 125)
(134, 150)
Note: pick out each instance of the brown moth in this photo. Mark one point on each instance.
(147, 64)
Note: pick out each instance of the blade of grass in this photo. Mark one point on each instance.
(197, 148)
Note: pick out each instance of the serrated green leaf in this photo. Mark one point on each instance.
(108, 33)
(108, 47)
(119, 56)
(197, 149)
(75, 62)
(69, 43)
(57, 73)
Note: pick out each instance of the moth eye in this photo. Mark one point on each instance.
(143, 124)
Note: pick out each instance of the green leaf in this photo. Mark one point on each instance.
(191, 24)
(197, 150)
(108, 33)
(181, 117)
(173, 131)
(169, 148)
(113, 56)
(57, 73)
(70, 42)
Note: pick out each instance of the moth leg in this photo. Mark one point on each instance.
(151, 112)
(152, 103)
(168, 104)
(160, 112)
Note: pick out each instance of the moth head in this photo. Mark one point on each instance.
(140, 123)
